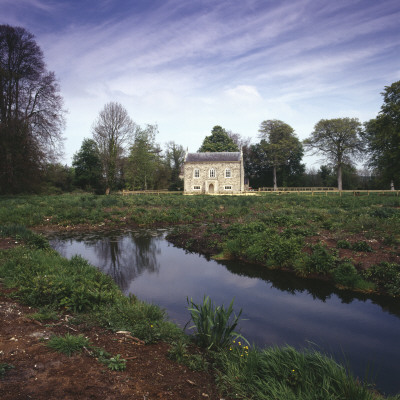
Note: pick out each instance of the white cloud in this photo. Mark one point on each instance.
(189, 66)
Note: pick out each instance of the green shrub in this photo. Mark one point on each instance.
(361, 246)
(321, 260)
(343, 244)
(386, 276)
(384, 212)
(282, 252)
(215, 326)
(115, 363)
(345, 274)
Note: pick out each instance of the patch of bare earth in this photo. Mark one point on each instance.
(361, 259)
(41, 373)
(7, 243)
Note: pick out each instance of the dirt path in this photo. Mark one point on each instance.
(41, 373)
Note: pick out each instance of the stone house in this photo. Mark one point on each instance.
(213, 173)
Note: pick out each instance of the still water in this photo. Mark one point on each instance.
(277, 308)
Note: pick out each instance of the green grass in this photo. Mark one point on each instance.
(68, 344)
(285, 373)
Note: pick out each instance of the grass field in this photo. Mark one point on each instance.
(352, 240)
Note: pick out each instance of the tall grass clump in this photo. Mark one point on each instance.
(215, 325)
(285, 373)
(68, 344)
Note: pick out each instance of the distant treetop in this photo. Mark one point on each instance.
(218, 141)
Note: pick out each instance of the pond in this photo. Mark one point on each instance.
(278, 308)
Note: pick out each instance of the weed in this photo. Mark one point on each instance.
(215, 326)
(321, 260)
(116, 363)
(46, 313)
(68, 344)
(343, 244)
(4, 368)
(179, 353)
(361, 246)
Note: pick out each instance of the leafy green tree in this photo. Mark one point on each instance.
(260, 171)
(88, 168)
(382, 136)
(218, 141)
(338, 140)
(175, 156)
(31, 112)
(144, 159)
(58, 178)
(111, 131)
(279, 144)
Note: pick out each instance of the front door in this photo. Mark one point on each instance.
(211, 188)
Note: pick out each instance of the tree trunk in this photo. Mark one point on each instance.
(275, 184)
(339, 177)
(391, 185)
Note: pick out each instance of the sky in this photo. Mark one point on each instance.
(188, 65)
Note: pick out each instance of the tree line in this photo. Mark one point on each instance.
(121, 154)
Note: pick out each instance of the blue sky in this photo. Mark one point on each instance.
(187, 65)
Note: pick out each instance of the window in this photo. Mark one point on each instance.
(212, 173)
(196, 187)
(228, 187)
(228, 173)
(197, 173)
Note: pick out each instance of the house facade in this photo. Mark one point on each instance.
(213, 173)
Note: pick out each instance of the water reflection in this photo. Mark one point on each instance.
(123, 257)
(278, 307)
(319, 290)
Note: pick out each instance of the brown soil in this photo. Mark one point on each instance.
(361, 259)
(41, 373)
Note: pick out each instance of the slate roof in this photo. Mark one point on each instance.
(213, 157)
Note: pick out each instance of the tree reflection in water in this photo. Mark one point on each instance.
(123, 256)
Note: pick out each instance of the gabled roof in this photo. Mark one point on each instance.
(213, 157)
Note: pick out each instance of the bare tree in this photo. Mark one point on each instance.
(239, 140)
(112, 131)
(31, 111)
